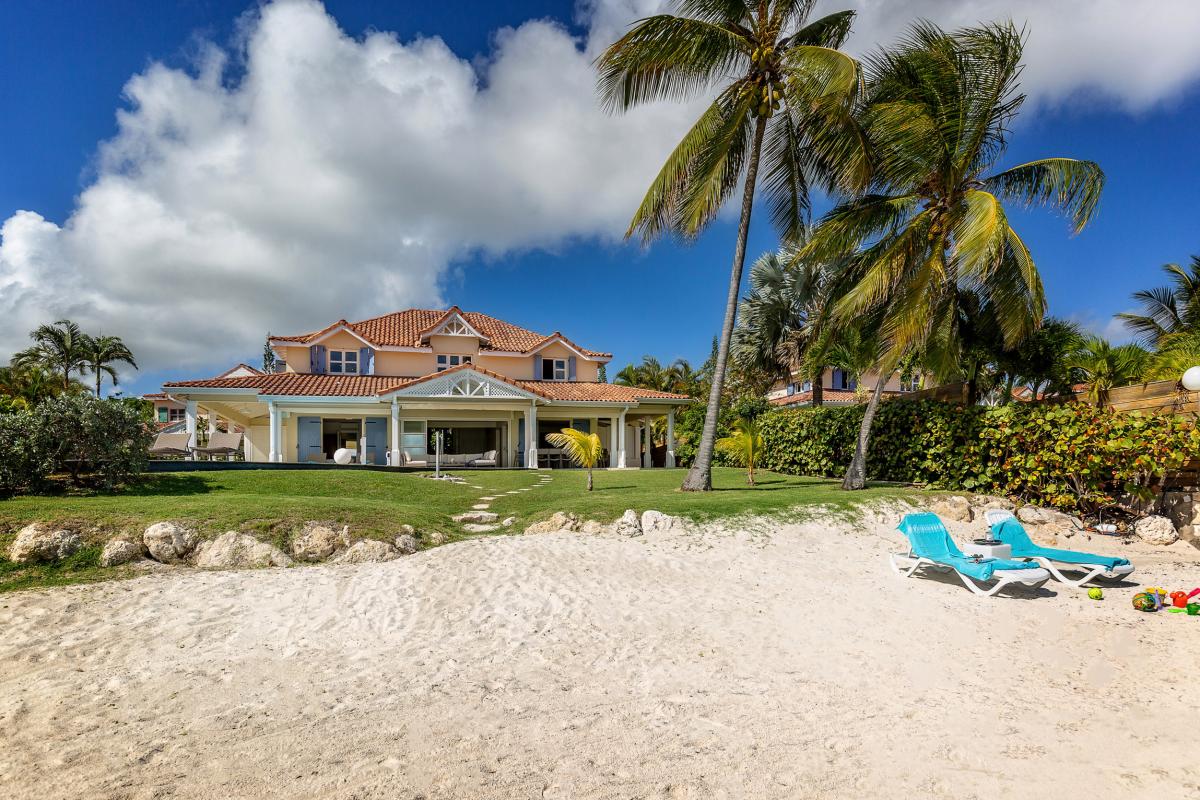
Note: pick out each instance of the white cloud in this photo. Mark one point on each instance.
(325, 175)
(1134, 55)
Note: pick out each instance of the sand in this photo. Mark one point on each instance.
(764, 661)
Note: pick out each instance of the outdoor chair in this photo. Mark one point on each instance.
(220, 444)
(317, 458)
(1009, 530)
(170, 444)
(930, 545)
(488, 459)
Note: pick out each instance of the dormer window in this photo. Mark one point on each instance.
(554, 369)
(343, 362)
(445, 362)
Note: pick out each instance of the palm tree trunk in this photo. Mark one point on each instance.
(699, 477)
(97, 384)
(856, 476)
(818, 391)
(589, 479)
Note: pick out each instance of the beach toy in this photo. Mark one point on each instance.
(1193, 593)
(1193, 609)
(1158, 595)
(1096, 594)
(1142, 601)
(1177, 610)
(1179, 599)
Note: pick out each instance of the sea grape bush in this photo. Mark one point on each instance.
(1072, 456)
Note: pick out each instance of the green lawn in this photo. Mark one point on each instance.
(273, 503)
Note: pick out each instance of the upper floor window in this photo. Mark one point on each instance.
(343, 362)
(445, 362)
(170, 414)
(844, 380)
(554, 369)
(910, 384)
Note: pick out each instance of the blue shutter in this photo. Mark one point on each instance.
(584, 425)
(308, 437)
(376, 436)
(571, 368)
(316, 359)
(791, 389)
(366, 361)
(537, 368)
(837, 379)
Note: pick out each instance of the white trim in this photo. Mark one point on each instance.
(454, 375)
(329, 333)
(456, 317)
(560, 339)
(397, 348)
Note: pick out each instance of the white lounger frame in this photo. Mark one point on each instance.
(905, 564)
(1090, 571)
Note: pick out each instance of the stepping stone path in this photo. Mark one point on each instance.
(481, 506)
(480, 520)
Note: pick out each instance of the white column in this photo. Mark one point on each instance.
(274, 455)
(395, 433)
(612, 442)
(212, 422)
(190, 413)
(531, 436)
(648, 443)
(621, 441)
(670, 463)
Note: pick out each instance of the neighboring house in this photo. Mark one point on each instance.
(838, 388)
(383, 386)
(168, 411)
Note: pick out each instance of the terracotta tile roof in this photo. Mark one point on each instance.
(405, 328)
(828, 396)
(236, 367)
(296, 383)
(299, 384)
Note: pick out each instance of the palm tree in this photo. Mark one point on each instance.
(650, 374)
(1042, 360)
(682, 378)
(101, 352)
(582, 448)
(1176, 353)
(60, 348)
(774, 75)
(1106, 367)
(1168, 309)
(744, 445)
(33, 384)
(936, 115)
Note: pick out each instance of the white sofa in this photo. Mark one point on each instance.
(487, 459)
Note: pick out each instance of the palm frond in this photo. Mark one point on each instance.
(584, 449)
(1072, 185)
(980, 236)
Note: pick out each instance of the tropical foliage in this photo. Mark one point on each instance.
(99, 355)
(776, 78)
(61, 351)
(584, 449)
(743, 446)
(1168, 310)
(934, 119)
(1105, 366)
(679, 377)
(1072, 456)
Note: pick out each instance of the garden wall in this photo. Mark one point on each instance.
(1071, 456)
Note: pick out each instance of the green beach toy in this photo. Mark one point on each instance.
(1096, 594)
(1193, 609)
(1177, 610)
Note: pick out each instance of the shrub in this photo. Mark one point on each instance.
(79, 435)
(1072, 456)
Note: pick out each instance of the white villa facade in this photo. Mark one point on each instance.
(381, 387)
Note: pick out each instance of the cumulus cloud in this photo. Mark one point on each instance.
(306, 174)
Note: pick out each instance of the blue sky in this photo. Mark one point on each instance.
(66, 66)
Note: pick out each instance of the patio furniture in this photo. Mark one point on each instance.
(488, 459)
(221, 444)
(317, 458)
(170, 444)
(1009, 530)
(930, 546)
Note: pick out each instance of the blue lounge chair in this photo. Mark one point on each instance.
(930, 546)
(1007, 529)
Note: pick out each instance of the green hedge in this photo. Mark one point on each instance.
(1072, 456)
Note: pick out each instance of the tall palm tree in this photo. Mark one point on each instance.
(1168, 309)
(1042, 360)
(101, 352)
(774, 75)
(936, 115)
(60, 348)
(1106, 367)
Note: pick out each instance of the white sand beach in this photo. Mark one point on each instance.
(767, 662)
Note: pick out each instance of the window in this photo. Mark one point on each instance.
(554, 369)
(844, 380)
(791, 389)
(412, 438)
(163, 415)
(806, 386)
(343, 362)
(910, 384)
(176, 414)
(445, 362)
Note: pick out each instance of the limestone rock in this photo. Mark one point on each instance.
(41, 543)
(476, 516)
(628, 524)
(368, 551)
(405, 528)
(119, 551)
(558, 521)
(592, 526)
(955, 507)
(481, 527)
(986, 502)
(1156, 530)
(433, 538)
(655, 521)
(406, 544)
(1035, 515)
(233, 550)
(169, 542)
(508, 522)
(318, 541)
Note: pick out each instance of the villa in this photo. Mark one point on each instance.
(382, 387)
(839, 387)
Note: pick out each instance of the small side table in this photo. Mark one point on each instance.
(987, 550)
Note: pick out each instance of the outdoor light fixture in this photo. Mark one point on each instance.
(1191, 379)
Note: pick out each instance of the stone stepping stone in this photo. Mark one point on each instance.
(514, 491)
(488, 498)
(475, 527)
(481, 506)
(475, 516)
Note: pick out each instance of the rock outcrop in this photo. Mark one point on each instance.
(1156, 530)
(658, 522)
(406, 544)
(169, 542)
(317, 541)
(367, 551)
(41, 543)
(955, 507)
(120, 551)
(628, 525)
(233, 550)
(558, 521)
